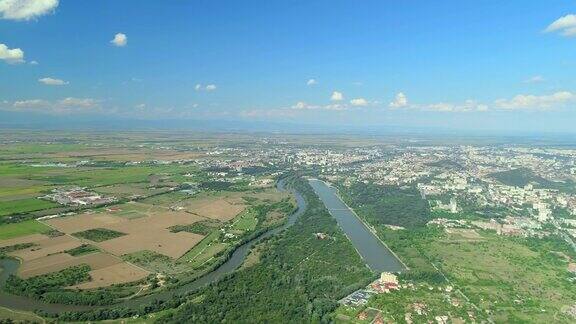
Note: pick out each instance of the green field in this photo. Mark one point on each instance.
(246, 221)
(18, 316)
(8, 231)
(24, 206)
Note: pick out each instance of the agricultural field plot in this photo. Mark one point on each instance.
(150, 232)
(222, 208)
(14, 230)
(13, 188)
(161, 241)
(129, 190)
(135, 210)
(43, 254)
(60, 261)
(24, 205)
(118, 273)
(83, 222)
(45, 247)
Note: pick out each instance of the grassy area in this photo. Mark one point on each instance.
(98, 234)
(514, 281)
(151, 260)
(24, 206)
(202, 227)
(246, 221)
(18, 316)
(200, 247)
(208, 253)
(8, 231)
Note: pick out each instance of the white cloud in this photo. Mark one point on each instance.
(555, 100)
(33, 63)
(68, 105)
(11, 56)
(400, 101)
(359, 102)
(209, 87)
(26, 9)
(52, 82)
(119, 40)
(311, 82)
(535, 79)
(301, 105)
(467, 106)
(30, 103)
(566, 26)
(337, 96)
(79, 102)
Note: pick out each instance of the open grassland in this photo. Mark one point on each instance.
(517, 282)
(8, 231)
(513, 279)
(222, 207)
(246, 221)
(12, 316)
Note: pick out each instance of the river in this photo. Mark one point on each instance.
(372, 250)
(377, 256)
(10, 266)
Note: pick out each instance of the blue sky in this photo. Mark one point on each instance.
(482, 65)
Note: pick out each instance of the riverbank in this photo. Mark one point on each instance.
(371, 248)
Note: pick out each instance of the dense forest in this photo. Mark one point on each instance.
(51, 288)
(388, 205)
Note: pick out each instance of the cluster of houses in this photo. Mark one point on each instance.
(386, 283)
(78, 197)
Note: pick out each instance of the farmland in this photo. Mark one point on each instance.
(171, 217)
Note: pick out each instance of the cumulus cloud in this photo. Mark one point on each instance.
(119, 40)
(311, 82)
(33, 63)
(545, 102)
(26, 9)
(359, 102)
(400, 101)
(565, 26)
(11, 56)
(52, 81)
(337, 96)
(208, 87)
(67, 105)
